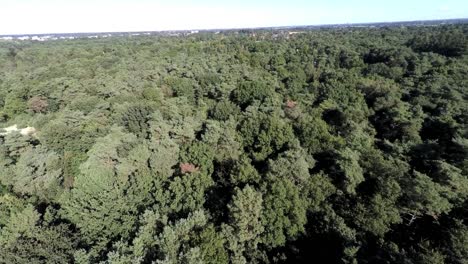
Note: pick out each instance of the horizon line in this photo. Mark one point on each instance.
(465, 20)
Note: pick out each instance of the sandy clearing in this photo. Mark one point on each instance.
(28, 131)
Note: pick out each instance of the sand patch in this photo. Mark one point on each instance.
(27, 131)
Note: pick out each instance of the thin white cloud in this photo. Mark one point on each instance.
(445, 9)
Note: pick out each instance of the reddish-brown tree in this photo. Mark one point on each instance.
(38, 104)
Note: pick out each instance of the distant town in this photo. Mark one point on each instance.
(288, 30)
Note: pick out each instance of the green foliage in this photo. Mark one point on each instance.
(37, 172)
(315, 136)
(181, 87)
(223, 110)
(458, 250)
(135, 117)
(245, 213)
(224, 138)
(199, 154)
(264, 134)
(9, 205)
(248, 91)
(72, 131)
(352, 174)
(26, 239)
(187, 192)
(285, 198)
(285, 213)
(427, 197)
(450, 43)
(212, 246)
(13, 106)
(174, 241)
(98, 190)
(244, 172)
(339, 145)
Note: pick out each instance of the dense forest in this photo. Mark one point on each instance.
(315, 146)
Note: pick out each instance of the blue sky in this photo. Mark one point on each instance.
(59, 16)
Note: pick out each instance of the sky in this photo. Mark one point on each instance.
(71, 16)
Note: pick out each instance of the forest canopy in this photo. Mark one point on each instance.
(345, 145)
